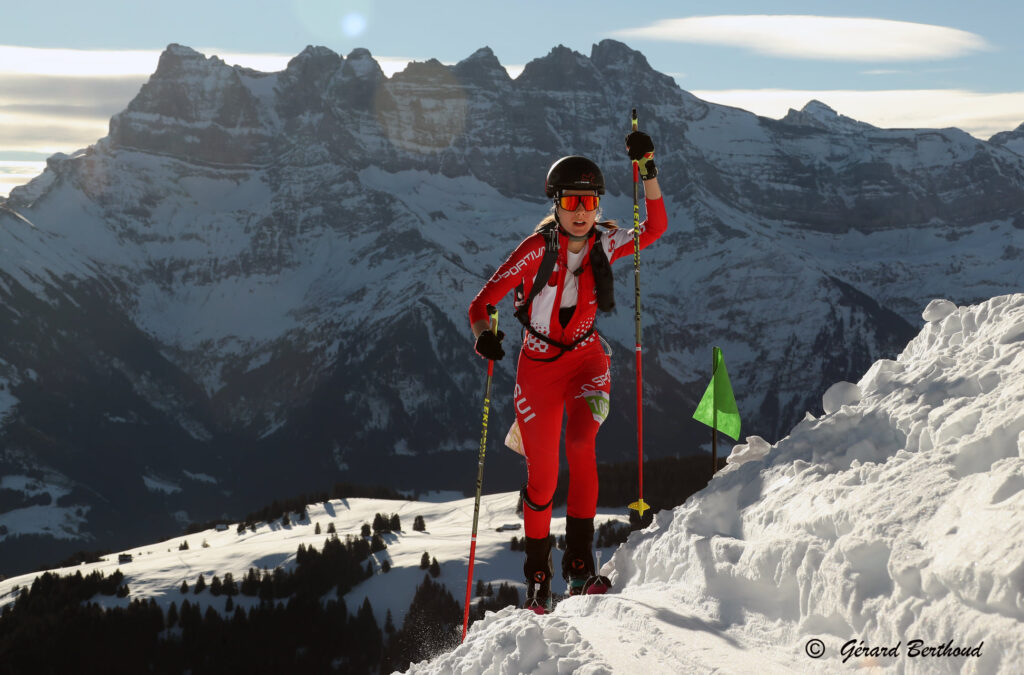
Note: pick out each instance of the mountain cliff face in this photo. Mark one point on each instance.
(256, 284)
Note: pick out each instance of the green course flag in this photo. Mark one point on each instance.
(717, 408)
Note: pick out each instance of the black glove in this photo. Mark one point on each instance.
(641, 150)
(488, 345)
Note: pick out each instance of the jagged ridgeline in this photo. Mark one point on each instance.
(258, 282)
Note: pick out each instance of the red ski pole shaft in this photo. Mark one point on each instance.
(479, 476)
(638, 505)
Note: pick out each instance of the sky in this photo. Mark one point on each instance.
(66, 67)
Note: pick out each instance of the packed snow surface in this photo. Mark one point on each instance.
(887, 534)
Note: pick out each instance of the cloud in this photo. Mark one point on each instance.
(76, 62)
(817, 37)
(51, 113)
(14, 173)
(979, 114)
(93, 63)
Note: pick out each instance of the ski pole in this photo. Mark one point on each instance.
(493, 313)
(639, 505)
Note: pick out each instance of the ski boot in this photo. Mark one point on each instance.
(538, 572)
(578, 560)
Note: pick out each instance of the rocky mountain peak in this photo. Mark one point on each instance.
(821, 116)
(314, 60)
(561, 70)
(361, 65)
(1011, 140)
(179, 60)
(481, 68)
(820, 110)
(430, 71)
(615, 55)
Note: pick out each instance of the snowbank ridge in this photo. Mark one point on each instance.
(897, 516)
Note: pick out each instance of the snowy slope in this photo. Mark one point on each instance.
(896, 516)
(157, 570)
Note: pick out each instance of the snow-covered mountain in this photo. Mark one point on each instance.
(885, 533)
(260, 270)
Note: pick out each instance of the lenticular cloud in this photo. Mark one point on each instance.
(817, 37)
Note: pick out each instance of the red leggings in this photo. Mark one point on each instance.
(578, 385)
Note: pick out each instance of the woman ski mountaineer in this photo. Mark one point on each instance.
(563, 366)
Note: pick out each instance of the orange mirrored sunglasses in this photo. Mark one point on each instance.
(572, 202)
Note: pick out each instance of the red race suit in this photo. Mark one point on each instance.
(578, 382)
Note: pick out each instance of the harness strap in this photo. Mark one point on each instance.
(547, 265)
(562, 348)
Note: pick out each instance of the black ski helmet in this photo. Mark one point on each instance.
(573, 173)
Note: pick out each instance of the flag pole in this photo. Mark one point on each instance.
(714, 416)
(718, 397)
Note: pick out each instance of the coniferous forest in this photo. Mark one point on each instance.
(57, 625)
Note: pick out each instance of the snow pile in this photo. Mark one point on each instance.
(522, 642)
(838, 395)
(889, 532)
(755, 448)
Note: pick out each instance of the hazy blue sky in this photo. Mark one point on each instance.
(895, 63)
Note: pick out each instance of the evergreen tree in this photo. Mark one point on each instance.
(377, 544)
(435, 569)
(379, 524)
(432, 624)
(331, 529)
(230, 588)
(424, 561)
(385, 566)
(419, 525)
(251, 583)
(215, 586)
(316, 530)
(184, 587)
(200, 584)
(266, 587)
(183, 546)
(480, 589)
(229, 605)
(395, 524)
(172, 616)
(367, 635)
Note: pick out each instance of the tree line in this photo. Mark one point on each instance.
(55, 626)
